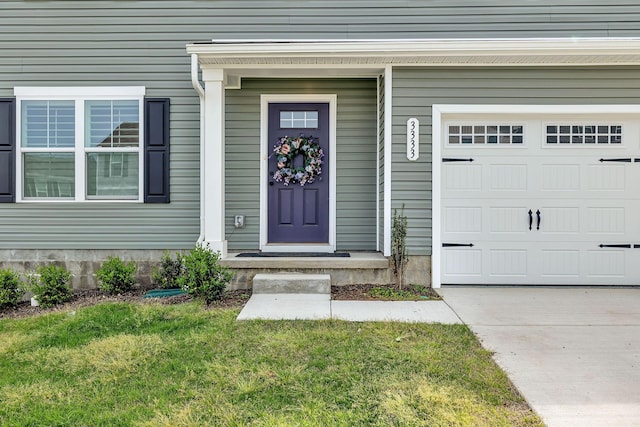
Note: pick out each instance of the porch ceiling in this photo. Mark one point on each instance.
(367, 54)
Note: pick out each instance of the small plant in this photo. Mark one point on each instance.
(51, 285)
(203, 276)
(166, 276)
(399, 254)
(11, 288)
(116, 276)
(392, 294)
(410, 293)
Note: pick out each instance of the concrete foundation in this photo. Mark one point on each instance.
(359, 268)
(81, 263)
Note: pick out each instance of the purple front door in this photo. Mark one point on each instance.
(298, 195)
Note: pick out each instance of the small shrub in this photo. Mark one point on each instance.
(203, 276)
(399, 254)
(166, 276)
(11, 288)
(51, 285)
(116, 276)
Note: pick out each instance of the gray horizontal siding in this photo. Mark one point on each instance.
(356, 158)
(169, 24)
(101, 43)
(417, 89)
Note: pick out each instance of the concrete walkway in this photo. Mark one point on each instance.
(320, 306)
(574, 353)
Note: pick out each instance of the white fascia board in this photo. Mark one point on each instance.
(509, 49)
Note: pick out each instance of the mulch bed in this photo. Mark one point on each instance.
(363, 293)
(85, 298)
(231, 299)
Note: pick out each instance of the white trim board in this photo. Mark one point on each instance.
(332, 100)
(388, 156)
(443, 111)
(378, 142)
(88, 92)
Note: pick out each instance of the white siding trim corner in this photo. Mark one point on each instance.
(378, 162)
(436, 195)
(388, 155)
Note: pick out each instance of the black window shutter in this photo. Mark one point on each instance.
(7, 150)
(156, 150)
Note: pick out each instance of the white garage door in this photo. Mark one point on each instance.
(540, 199)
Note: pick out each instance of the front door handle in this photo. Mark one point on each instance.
(530, 219)
(538, 215)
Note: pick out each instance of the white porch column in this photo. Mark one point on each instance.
(212, 166)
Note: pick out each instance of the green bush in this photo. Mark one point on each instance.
(203, 276)
(11, 288)
(51, 285)
(166, 276)
(399, 254)
(116, 276)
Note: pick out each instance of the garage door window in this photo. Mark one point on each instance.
(485, 134)
(583, 134)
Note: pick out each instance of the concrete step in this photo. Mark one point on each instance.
(291, 283)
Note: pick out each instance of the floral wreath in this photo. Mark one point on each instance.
(287, 149)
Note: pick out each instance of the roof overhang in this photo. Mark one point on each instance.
(440, 52)
(368, 58)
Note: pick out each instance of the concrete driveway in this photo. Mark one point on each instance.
(574, 353)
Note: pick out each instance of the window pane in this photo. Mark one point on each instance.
(112, 123)
(286, 119)
(112, 174)
(298, 119)
(49, 175)
(48, 124)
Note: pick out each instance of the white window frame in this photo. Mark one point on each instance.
(79, 95)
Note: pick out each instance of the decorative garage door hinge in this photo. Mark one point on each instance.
(453, 159)
(623, 246)
(457, 245)
(624, 160)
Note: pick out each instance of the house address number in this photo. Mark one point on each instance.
(413, 139)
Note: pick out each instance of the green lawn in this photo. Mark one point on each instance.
(118, 364)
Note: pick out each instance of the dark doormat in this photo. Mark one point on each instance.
(293, 254)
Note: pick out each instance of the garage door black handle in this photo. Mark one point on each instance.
(530, 219)
(538, 215)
